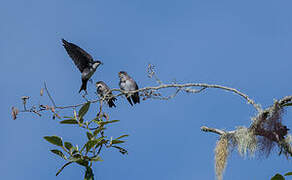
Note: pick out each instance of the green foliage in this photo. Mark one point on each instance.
(56, 140)
(278, 177)
(83, 110)
(97, 158)
(122, 150)
(89, 174)
(89, 135)
(288, 174)
(69, 121)
(91, 143)
(98, 130)
(61, 169)
(59, 153)
(115, 141)
(102, 123)
(68, 146)
(126, 135)
(91, 149)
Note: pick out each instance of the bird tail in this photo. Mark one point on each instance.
(64, 41)
(111, 102)
(129, 99)
(136, 98)
(84, 85)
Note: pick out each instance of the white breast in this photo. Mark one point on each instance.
(129, 86)
(88, 73)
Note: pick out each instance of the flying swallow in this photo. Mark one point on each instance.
(128, 84)
(102, 90)
(83, 61)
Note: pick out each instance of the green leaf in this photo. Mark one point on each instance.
(59, 153)
(117, 141)
(83, 110)
(68, 145)
(91, 143)
(69, 121)
(126, 135)
(61, 169)
(288, 174)
(98, 130)
(89, 135)
(122, 150)
(74, 150)
(56, 140)
(76, 157)
(68, 117)
(278, 177)
(81, 120)
(101, 123)
(79, 159)
(96, 158)
(82, 162)
(96, 120)
(88, 174)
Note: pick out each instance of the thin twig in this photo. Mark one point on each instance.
(285, 100)
(99, 149)
(48, 93)
(151, 73)
(214, 130)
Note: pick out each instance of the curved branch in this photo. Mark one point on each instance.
(183, 87)
(203, 85)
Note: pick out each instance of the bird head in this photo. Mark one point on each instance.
(96, 64)
(99, 85)
(123, 74)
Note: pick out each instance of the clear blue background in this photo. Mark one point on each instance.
(242, 44)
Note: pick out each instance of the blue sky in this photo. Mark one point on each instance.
(245, 45)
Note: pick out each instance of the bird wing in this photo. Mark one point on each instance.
(135, 96)
(80, 57)
(121, 86)
(136, 86)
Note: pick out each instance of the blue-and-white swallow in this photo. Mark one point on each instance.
(83, 61)
(128, 84)
(103, 90)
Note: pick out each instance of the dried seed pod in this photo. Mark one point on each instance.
(14, 113)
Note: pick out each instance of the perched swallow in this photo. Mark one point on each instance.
(128, 84)
(83, 61)
(102, 90)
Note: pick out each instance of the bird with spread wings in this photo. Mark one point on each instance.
(83, 61)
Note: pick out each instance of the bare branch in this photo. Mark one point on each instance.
(202, 85)
(151, 73)
(213, 130)
(33, 110)
(49, 95)
(181, 87)
(285, 100)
